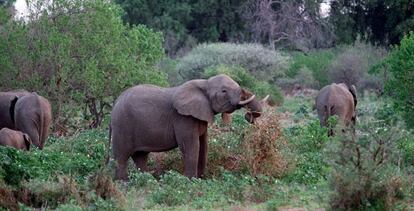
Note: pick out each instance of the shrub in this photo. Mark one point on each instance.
(317, 61)
(307, 142)
(352, 65)
(264, 64)
(400, 85)
(366, 174)
(245, 79)
(78, 156)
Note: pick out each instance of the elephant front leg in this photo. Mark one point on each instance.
(190, 148)
(202, 159)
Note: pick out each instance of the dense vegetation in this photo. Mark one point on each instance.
(81, 54)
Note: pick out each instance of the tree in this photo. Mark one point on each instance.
(295, 24)
(400, 84)
(78, 52)
(379, 21)
(186, 22)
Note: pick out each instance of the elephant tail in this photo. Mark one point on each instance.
(108, 155)
(12, 107)
(327, 114)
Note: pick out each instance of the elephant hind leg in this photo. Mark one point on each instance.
(121, 168)
(140, 160)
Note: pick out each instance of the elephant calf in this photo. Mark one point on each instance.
(148, 118)
(337, 99)
(14, 138)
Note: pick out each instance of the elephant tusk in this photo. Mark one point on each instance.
(265, 98)
(244, 102)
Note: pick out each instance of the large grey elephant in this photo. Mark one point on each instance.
(27, 112)
(14, 138)
(337, 99)
(148, 118)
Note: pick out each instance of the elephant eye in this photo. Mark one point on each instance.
(224, 91)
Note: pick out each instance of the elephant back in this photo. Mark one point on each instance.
(33, 115)
(6, 107)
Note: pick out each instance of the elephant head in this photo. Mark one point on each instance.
(203, 99)
(254, 109)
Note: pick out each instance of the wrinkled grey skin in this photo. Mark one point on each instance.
(337, 99)
(14, 138)
(5, 103)
(148, 118)
(26, 112)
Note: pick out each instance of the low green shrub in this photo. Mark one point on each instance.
(308, 143)
(77, 156)
(366, 170)
(316, 61)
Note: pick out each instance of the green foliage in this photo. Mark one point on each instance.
(85, 55)
(366, 172)
(316, 61)
(78, 157)
(245, 79)
(262, 63)
(186, 22)
(308, 142)
(378, 21)
(400, 84)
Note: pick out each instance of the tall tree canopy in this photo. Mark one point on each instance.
(186, 22)
(379, 21)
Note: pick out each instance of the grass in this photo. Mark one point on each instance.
(69, 173)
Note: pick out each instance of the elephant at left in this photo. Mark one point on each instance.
(27, 112)
(14, 138)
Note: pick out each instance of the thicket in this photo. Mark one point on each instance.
(79, 54)
(400, 82)
(352, 64)
(370, 171)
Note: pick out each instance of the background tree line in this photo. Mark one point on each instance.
(85, 53)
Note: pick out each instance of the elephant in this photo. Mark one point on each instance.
(27, 112)
(147, 118)
(14, 138)
(337, 99)
(253, 106)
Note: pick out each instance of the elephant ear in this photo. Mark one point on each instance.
(190, 99)
(27, 141)
(12, 106)
(352, 89)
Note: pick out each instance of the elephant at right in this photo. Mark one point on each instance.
(337, 99)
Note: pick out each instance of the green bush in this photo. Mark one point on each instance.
(308, 143)
(78, 156)
(262, 63)
(316, 61)
(369, 171)
(245, 79)
(400, 85)
(86, 55)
